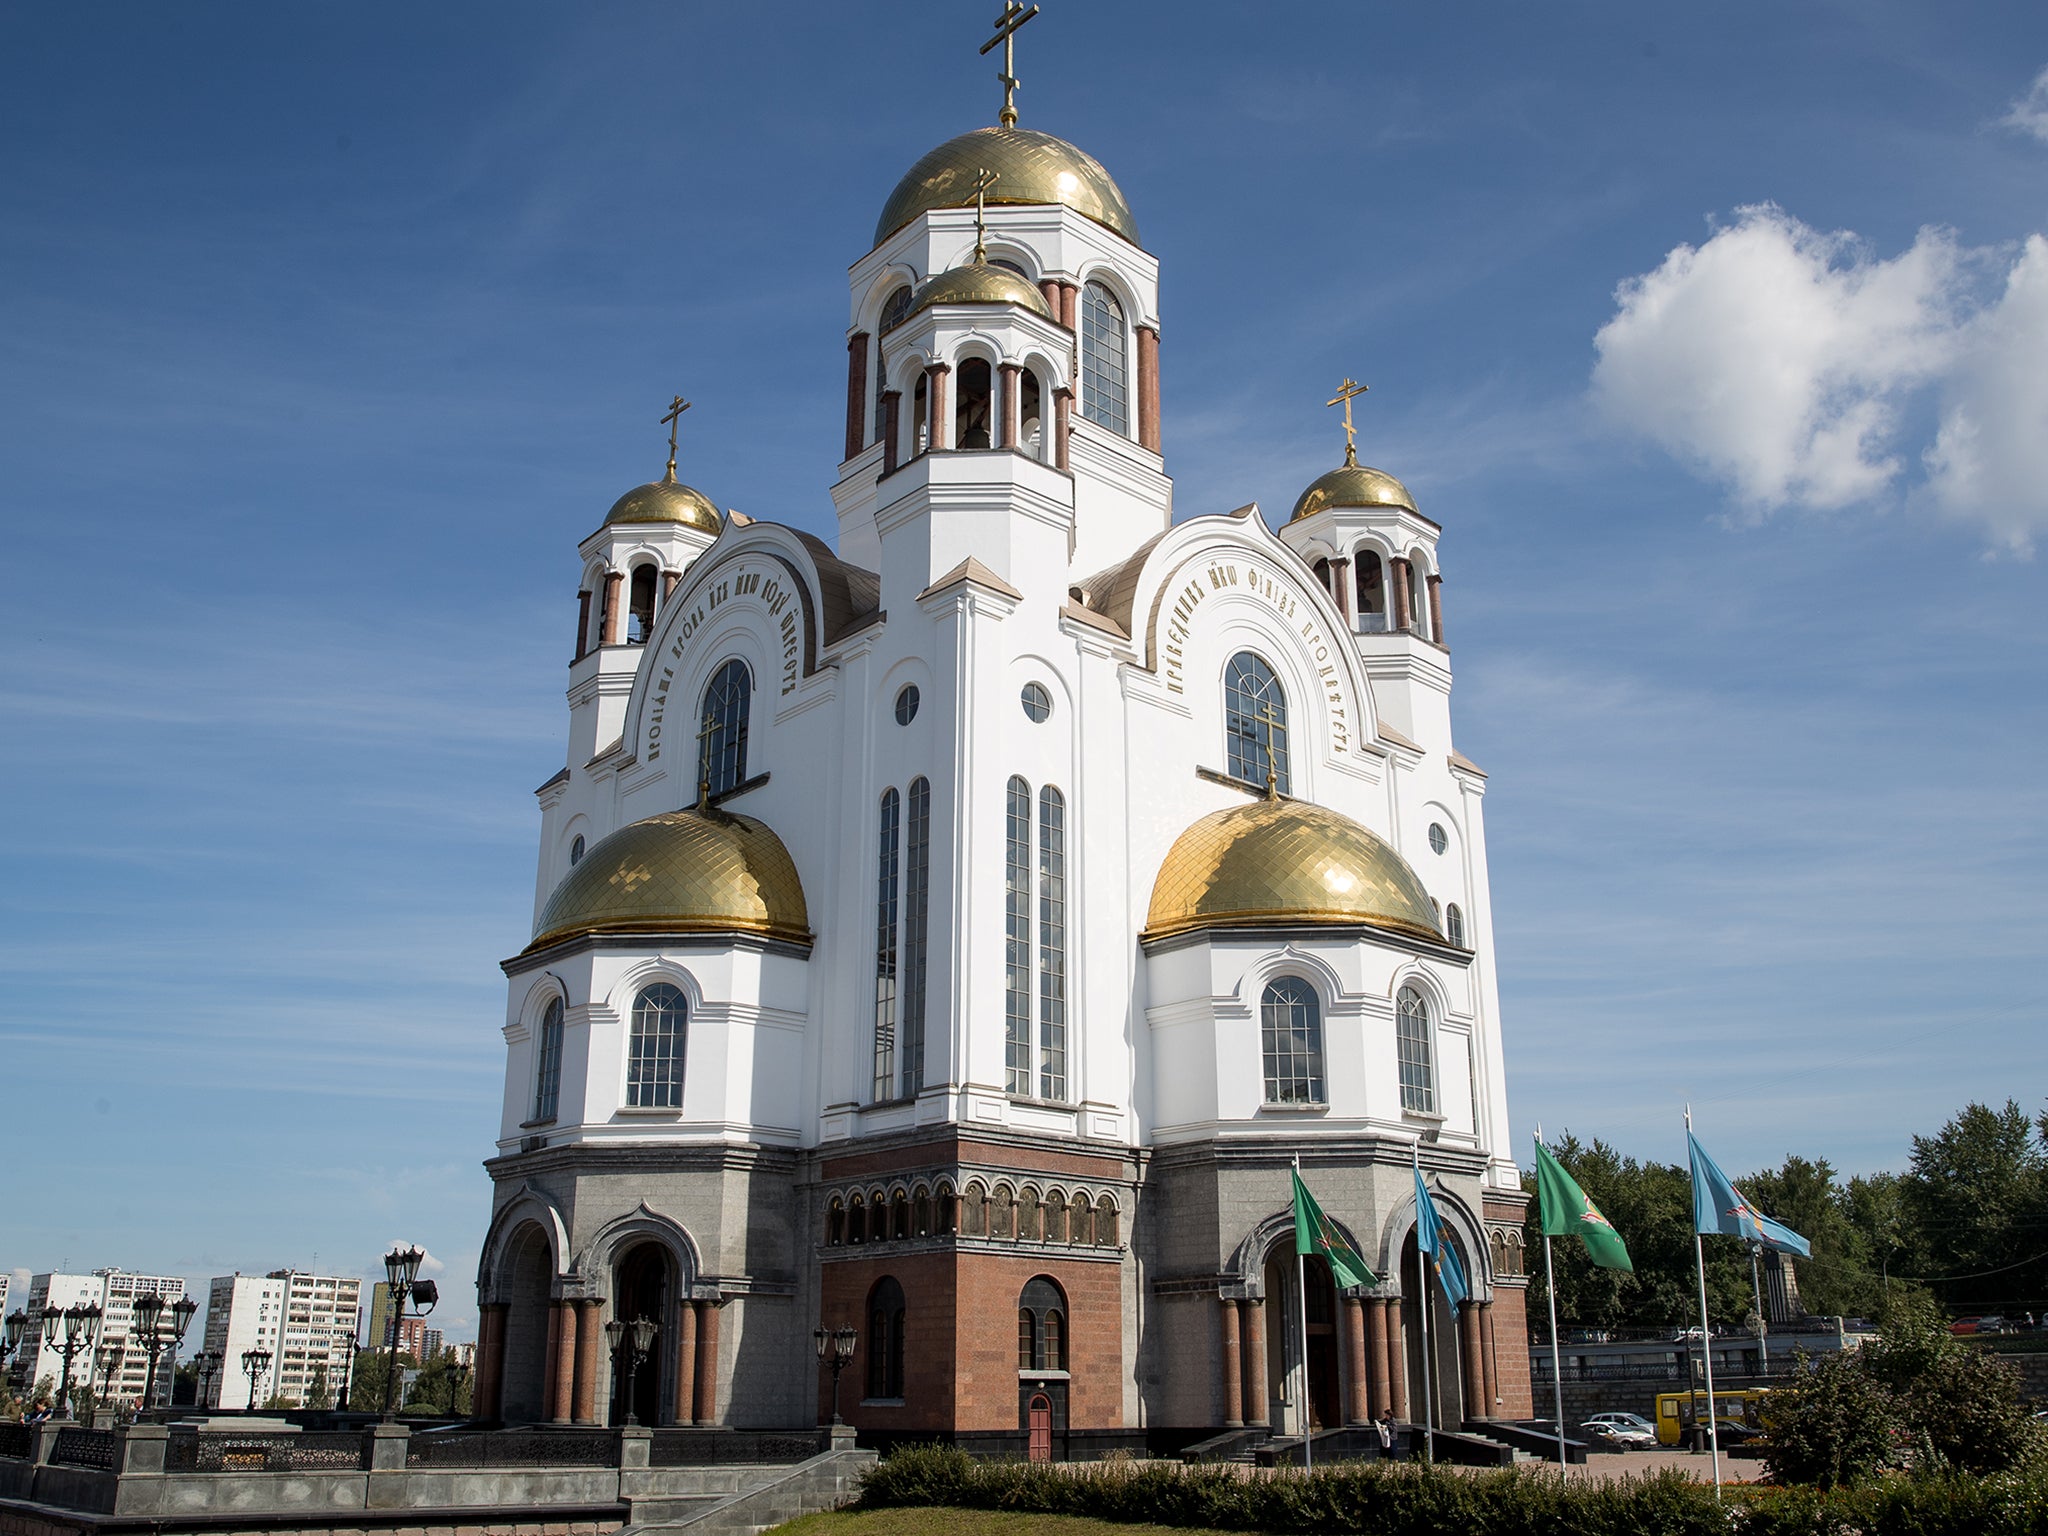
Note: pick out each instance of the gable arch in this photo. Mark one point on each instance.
(529, 1208)
(642, 1224)
(1465, 1227)
(1247, 1263)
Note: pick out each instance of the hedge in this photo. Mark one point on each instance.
(1382, 1499)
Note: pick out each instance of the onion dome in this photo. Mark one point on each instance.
(979, 282)
(666, 500)
(1030, 168)
(1352, 484)
(1285, 863)
(697, 870)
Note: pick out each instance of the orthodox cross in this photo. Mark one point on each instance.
(1013, 17)
(1351, 389)
(1276, 728)
(672, 420)
(983, 180)
(704, 736)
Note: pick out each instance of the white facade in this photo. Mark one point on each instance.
(307, 1323)
(121, 1374)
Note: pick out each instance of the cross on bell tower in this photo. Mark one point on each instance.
(1013, 17)
(672, 420)
(1350, 390)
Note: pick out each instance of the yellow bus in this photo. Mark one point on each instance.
(1677, 1411)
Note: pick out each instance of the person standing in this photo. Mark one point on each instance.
(1385, 1425)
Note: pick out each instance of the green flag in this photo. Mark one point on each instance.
(1567, 1212)
(1316, 1233)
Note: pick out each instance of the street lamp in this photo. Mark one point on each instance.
(149, 1313)
(109, 1357)
(207, 1364)
(632, 1343)
(68, 1330)
(254, 1363)
(401, 1278)
(835, 1348)
(17, 1325)
(458, 1369)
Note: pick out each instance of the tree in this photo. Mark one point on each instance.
(372, 1371)
(442, 1387)
(317, 1394)
(1976, 1200)
(1834, 1424)
(1837, 1280)
(1959, 1404)
(185, 1385)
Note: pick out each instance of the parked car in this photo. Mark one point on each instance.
(1630, 1431)
(1993, 1325)
(1964, 1325)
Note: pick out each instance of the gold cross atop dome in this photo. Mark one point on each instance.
(1013, 17)
(1275, 729)
(1345, 394)
(673, 419)
(983, 180)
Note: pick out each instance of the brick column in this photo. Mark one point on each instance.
(1006, 430)
(1340, 585)
(1487, 1363)
(891, 443)
(1233, 1368)
(488, 1400)
(1436, 608)
(707, 1362)
(614, 615)
(938, 407)
(1473, 1372)
(1062, 425)
(1256, 1411)
(1398, 574)
(1397, 1360)
(668, 585)
(582, 625)
(686, 1362)
(1070, 299)
(565, 1363)
(587, 1334)
(856, 391)
(1148, 388)
(1376, 1350)
(1354, 1359)
(547, 1391)
(1050, 287)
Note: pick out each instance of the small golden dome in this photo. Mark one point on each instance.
(1285, 863)
(1030, 168)
(666, 500)
(1352, 484)
(688, 871)
(979, 283)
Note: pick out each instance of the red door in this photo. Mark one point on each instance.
(1041, 1428)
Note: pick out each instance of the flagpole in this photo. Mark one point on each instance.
(1550, 1294)
(1699, 1250)
(1756, 1288)
(1422, 1274)
(1301, 1289)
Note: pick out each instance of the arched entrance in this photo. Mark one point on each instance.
(1446, 1389)
(643, 1285)
(1292, 1384)
(1039, 1417)
(526, 1279)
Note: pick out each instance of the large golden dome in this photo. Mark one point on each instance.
(1030, 168)
(687, 871)
(979, 283)
(1352, 484)
(1285, 863)
(666, 500)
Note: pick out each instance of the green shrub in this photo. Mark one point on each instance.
(1835, 1424)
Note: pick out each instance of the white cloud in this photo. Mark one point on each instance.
(1784, 362)
(2030, 113)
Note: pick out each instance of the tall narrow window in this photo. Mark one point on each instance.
(640, 605)
(973, 414)
(1372, 592)
(1255, 722)
(917, 882)
(893, 311)
(722, 756)
(1041, 1326)
(1454, 925)
(885, 950)
(1291, 1033)
(1105, 377)
(547, 1077)
(654, 1069)
(1411, 1044)
(1052, 944)
(886, 1316)
(1017, 939)
(1030, 413)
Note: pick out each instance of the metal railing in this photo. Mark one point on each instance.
(79, 1447)
(334, 1450)
(17, 1439)
(698, 1448)
(516, 1448)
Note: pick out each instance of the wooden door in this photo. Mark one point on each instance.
(1040, 1422)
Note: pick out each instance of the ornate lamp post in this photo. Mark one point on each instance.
(17, 1325)
(458, 1371)
(69, 1330)
(109, 1358)
(149, 1312)
(207, 1362)
(632, 1343)
(402, 1276)
(835, 1348)
(254, 1363)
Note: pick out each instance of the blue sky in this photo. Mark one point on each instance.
(1710, 334)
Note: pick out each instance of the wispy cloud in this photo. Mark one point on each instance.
(2029, 114)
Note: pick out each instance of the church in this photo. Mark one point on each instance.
(948, 940)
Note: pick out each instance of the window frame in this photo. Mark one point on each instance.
(547, 1063)
(1304, 1084)
(1094, 351)
(1249, 748)
(732, 682)
(649, 1069)
(1415, 1051)
(885, 1320)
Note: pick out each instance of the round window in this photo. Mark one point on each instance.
(576, 850)
(1438, 842)
(906, 704)
(1037, 702)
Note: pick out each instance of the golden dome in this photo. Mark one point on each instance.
(1030, 168)
(666, 500)
(979, 283)
(687, 871)
(1352, 484)
(1285, 863)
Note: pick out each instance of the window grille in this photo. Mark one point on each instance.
(1255, 722)
(1411, 1041)
(722, 757)
(1017, 939)
(654, 1072)
(547, 1081)
(917, 881)
(1105, 375)
(885, 950)
(1291, 1030)
(1052, 944)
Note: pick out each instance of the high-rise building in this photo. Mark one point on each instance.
(305, 1323)
(114, 1362)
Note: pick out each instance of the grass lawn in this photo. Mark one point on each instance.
(966, 1522)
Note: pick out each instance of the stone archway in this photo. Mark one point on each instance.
(1446, 1394)
(644, 1285)
(1295, 1383)
(526, 1282)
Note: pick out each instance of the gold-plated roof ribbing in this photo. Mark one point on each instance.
(1030, 167)
(1353, 485)
(979, 283)
(666, 500)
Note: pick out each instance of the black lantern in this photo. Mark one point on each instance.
(69, 1331)
(835, 1348)
(402, 1277)
(254, 1363)
(631, 1343)
(17, 1325)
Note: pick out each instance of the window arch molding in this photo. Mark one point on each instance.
(883, 287)
(533, 1005)
(617, 1006)
(1294, 1059)
(1435, 1008)
(1010, 251)
(1254, 745)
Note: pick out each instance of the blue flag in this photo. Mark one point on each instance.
(1431, 1239)
(1718, 1206)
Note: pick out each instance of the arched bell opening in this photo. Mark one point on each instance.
(920, 416)
(643, 1285)
(527, 1289)
(640, 605)
(1031, 435)
(974, 413)
(1302, 1390)
(1446, 1396)
(1371, 576)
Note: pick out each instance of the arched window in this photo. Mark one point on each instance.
(920, 427)
(885, 951)
(1291, 1033)
(547, 1077)
(1321, 570)
(640, 605)
(1454, 925)
(1411, 1045)
(1372, 592)
(722, 758)
(878, 1216)
(1255, 722)
(974, 412)
(1105, 374)
(1052, 944)
(1041, 1326)
(974, 1211)
(917, 885)
(899, 1216)
(857, 1220)
(1105, 1222)
(835, 1223)
(1030, 413)
(654, 1071)
(1056, 1217)
(1017, 939)
(921, 1213)
(946, 1212)
(1002, 1214)
(1028, 1216)
(885, 1339)
(893, 311)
